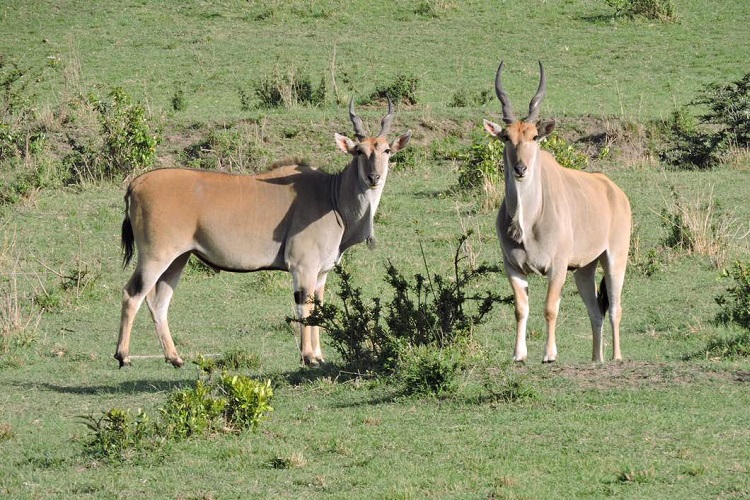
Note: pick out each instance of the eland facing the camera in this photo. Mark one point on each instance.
(553, 220)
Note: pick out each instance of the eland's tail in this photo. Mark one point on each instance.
(127, 238)
(602, 297)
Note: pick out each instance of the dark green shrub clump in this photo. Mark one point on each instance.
(417, 336)
(402, 89)
(129, 141)
(286, 90)
(662, 10)
(701, 142)
(233, 403)
(736, 301)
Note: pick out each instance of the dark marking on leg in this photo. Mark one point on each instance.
(135, 285)
(299, 297)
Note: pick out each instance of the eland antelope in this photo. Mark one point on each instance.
(293, 218)
(553, 220)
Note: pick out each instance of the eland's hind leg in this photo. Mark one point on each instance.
(158, 300)
(614, 276)
(315, 330)
(138, 286)
(556, 280)
(586, 283)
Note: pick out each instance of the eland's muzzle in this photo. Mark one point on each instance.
(520, 170)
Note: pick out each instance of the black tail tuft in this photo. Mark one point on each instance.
(127, 239)
(602, 298)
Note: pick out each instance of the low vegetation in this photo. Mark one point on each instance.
(420, 335)
(227, 404)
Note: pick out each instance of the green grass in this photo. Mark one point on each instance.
(665, 423)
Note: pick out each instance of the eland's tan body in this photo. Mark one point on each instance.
(293, 218)
(553, 220)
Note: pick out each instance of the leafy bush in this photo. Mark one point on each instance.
(662, 10)
(429, 312)
(461, 98)
(736, 301)
(129, 141)
(701, 142)
(286, 90)
(192, 411)
(247, 401)
(565, 153)
(425, 370)
(484, 164)
(117, 434)
(355, 330)
(403, 89)
(234, 403)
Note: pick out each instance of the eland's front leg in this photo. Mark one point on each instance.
(521, 299)
(304, 288)
(315, 330)
(551, 309)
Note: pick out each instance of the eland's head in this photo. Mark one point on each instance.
(521, 138)
(372, 154)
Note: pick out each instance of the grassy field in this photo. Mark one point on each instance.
(655, 426)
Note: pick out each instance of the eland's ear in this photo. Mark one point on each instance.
(401, 142)
(493, 128)
(344, 143)
(544, 129)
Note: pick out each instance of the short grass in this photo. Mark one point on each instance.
(655, 426)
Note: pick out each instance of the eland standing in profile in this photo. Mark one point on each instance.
(553, 220)
(293, 218)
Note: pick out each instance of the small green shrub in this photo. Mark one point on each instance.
(232, 149)
(699, 143)
(234, 403)
(247, 401)
(285, 90)
(734, 347)
(484, 164)
(565, 153)
(508, 387)
(178, 100)
(129, 139)
(234, 359)
(735, 302)
(117, 434)
(425, 370)
(402, 89)
(192, 411)
(662, 10)
(461, 98)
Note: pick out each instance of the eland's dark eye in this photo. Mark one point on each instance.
(536, 137)
(387, 151)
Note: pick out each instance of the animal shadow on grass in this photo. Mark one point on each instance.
(127, 387)
(330, 373)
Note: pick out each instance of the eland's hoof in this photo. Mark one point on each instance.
(176, 362)
(123, 361)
